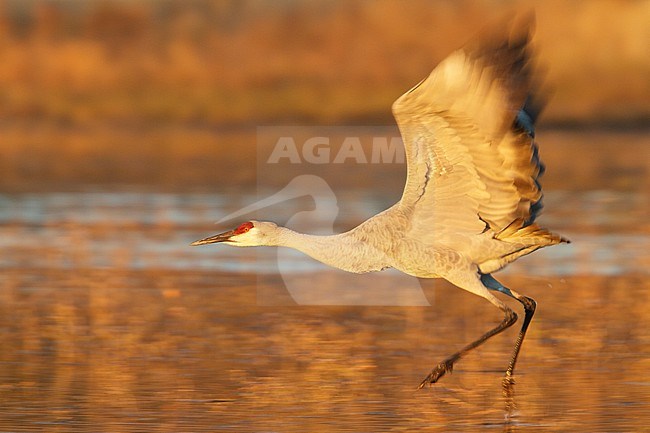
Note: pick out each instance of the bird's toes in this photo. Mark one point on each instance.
(439, 371)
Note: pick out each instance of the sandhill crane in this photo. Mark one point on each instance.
(334, 288)
(472, 194)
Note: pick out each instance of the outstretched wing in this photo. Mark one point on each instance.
(468, 133)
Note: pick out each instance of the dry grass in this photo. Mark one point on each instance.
(247, 61)
(144, 92)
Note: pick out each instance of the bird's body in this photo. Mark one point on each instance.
(472, 192)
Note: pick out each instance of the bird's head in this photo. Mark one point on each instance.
(248, 234)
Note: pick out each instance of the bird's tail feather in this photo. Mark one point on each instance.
(525, 240)
(533, 234)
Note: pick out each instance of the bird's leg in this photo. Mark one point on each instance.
(448, 364)
(529, 309)
(509, 381)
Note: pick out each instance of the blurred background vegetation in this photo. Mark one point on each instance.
(128, 126)
(105, 77)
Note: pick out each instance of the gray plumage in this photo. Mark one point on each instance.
(472, 192)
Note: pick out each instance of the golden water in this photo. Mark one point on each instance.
(110, 322)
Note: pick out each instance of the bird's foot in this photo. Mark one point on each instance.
(445, 366)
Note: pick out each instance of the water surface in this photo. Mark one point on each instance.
(109, 321)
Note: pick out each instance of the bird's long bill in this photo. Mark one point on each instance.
(221, 237)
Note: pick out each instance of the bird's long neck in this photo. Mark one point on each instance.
(343, 251)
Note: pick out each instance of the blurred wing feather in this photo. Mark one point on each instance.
(468, 133)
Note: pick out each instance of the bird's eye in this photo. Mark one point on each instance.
(243, 228)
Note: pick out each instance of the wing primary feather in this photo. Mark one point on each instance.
(469, 130)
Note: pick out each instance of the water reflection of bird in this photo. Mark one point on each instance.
(472, 192)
